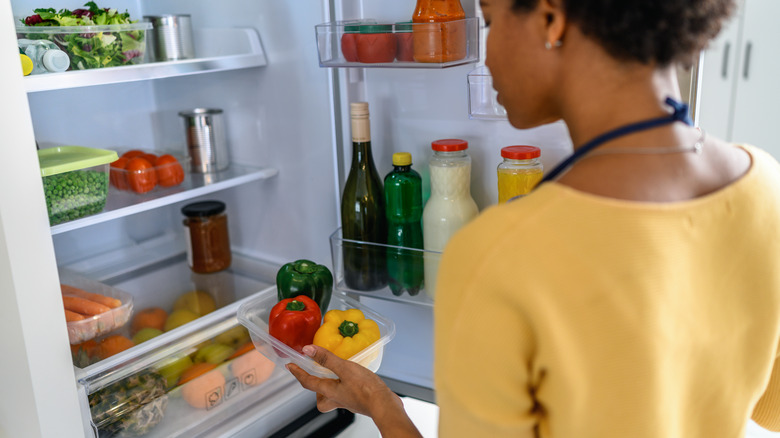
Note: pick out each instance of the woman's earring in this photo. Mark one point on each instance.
(548, 45)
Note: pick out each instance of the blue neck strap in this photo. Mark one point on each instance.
(680, 114)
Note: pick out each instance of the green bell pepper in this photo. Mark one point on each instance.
(304, 277)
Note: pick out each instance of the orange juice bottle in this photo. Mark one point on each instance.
(520, 171)
(443, 38)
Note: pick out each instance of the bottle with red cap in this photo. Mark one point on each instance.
(520, 171)
(450, 205)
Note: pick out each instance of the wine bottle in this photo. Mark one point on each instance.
(363, 211)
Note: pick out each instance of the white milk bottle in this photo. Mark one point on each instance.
(450, 205)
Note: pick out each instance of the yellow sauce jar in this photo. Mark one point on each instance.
(520, 171)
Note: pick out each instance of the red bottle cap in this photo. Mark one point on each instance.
(521, 152)
(449, 145)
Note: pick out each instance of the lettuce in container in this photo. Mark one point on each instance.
(93, 38)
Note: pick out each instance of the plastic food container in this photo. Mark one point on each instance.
(75, 181)
(109, 46)
(92, 327)
(160, 173)
(254, 316)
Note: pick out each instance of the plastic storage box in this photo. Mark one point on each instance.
(75, 181)
(92, 327)
(158, 176)
(94, 46)
(254, 316)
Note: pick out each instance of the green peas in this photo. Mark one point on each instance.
(73, 195)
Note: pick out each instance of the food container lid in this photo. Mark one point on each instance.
(402, 159)
(203, 208)
(521, 152)
(449, 145)
(403, 26)
(55, 30)
(376, 28)
(63, 159)
(200, 111)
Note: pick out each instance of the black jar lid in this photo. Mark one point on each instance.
(203, 208)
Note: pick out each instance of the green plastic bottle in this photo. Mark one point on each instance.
(363, 211)
(404, 207)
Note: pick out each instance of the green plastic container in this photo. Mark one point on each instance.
(75, 181)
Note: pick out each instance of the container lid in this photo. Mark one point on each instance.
(449, 145)
(402, 159)
(403, 26)
(200, 112)
(203, 208)
(55, 60)
(27, 30)
(376, 28)
(68, 158)
(521, 152)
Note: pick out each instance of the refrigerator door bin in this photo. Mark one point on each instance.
(404, 268)
(482, 97)
(339, 44)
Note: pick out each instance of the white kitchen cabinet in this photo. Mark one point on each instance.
(740, 85)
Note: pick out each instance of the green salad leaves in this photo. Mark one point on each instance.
(89, 49)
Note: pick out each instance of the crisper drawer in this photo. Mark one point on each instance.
(185, 385)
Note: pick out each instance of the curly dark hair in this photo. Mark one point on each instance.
(664, 32)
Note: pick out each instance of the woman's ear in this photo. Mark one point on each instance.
(555, 21)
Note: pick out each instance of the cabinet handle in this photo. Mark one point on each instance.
(724, 68)
(746, 70)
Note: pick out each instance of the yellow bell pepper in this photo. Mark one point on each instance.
(346, 332)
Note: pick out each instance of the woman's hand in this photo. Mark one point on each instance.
(356, 389)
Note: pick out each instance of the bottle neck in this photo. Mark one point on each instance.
(361, 141)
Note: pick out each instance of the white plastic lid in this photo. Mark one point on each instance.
(55, 60)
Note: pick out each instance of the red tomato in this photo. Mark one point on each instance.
(349, 47)
(169, 171)
(151, 158)
(141, 175)
(376, 47)
(118, 175)
(132, 154)
(405, 47)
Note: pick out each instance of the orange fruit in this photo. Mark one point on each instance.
(113, 345)
(252, 368)
(246, 348)
(196, 370)
(152, 317)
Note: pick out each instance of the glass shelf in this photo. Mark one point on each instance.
(120, 204)
(217, 49)
(405, 269)
(338, 43)
(482, 97)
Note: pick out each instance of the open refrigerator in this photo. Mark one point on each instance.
(285, 98)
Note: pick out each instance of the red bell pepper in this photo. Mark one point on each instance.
(294, 321)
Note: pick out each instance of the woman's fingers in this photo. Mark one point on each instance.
(326, 358)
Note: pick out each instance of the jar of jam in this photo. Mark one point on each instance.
(208, 243)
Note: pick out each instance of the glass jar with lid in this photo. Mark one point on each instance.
(208, 242)
(519, 172)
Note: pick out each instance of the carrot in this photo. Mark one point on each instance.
(100, 299)
(83, 306)
(73, 316)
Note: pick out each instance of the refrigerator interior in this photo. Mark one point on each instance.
(288, 123)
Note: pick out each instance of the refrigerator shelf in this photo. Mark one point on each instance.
(407, 263)
(217, 49)
(120, 204)
(339, 44)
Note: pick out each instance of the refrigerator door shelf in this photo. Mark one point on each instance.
(335, 38)
(121, 203)
(217, 49)
(405, 269)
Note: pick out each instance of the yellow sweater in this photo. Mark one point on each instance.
(565, 314)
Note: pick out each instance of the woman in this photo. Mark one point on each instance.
(650, 306)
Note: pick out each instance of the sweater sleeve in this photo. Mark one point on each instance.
(767, 410)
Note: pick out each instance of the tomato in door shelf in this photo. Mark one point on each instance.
(141, 175)
(376, 43)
